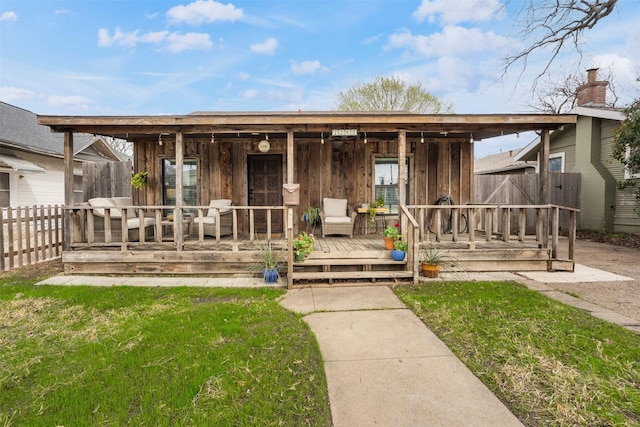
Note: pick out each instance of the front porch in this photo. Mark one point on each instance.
(493, 238)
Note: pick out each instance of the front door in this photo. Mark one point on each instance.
(265, 189)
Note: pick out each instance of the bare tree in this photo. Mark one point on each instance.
(120, 145)
(560, 96)
(556, 25)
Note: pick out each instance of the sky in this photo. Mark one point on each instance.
(150, 57)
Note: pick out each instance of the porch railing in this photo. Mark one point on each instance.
(29, 235)
(136, 226)
(471, 224)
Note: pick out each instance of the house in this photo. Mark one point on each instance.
(585, 147)
(32, 160)
(246, 158)
(503, 164)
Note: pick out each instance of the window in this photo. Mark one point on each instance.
(189, 182)
(5, 190)
(386, 182)
(556, 162)
(78, 189)
(627, 174)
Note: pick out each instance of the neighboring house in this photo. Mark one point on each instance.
(503, 164)
(585, 148)
(32, 160)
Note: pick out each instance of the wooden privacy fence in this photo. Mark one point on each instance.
(564, 190)
(30, 234)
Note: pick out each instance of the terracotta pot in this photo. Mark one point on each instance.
(388, 242)
(429, 270)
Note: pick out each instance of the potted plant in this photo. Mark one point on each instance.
(390, 234)
(433, 259)
(372, 210)
(312, 217)
(139, 180)
(399, 250)
(302, 246)
(270, 257)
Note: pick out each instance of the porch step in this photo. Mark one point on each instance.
(352, 276)
(348, 261)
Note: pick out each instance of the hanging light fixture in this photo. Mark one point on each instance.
(471, 138)
(213, 138)
(421, 137)
(365, 137)
(322, 138)
(159, 139)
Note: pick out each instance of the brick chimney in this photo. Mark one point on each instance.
(593, 93)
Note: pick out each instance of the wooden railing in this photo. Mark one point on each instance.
(108, 226)
(474, 223)
(29, 235)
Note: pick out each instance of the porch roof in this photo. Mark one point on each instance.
(380, 124)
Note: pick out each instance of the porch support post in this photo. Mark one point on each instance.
(544, 184)
(289, 212)
(402, 167)
(68, 188)
(177, 218)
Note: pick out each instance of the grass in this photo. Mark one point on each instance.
(155, 356)
(552, 365)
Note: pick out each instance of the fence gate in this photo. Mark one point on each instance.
(564, 190)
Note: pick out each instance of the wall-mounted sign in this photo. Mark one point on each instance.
(264, 146)
(344, 132)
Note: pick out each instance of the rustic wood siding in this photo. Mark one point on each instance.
(337, 168)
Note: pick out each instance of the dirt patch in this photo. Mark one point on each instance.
(35, 271)
(621, 296)
(616, 239)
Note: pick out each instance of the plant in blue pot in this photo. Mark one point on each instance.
(270, 259)
(399, 250)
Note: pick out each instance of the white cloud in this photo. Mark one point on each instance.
(267, 47)
(452, 41)
(173, 42)
(243, 76)
(74, 101)
(12, 94)
(249, 94)
(204, 11)
(8, 16)
(457, 11)
(306, 67)
(190, 41)
(62, 12)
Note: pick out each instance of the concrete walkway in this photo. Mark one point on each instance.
(384, 367)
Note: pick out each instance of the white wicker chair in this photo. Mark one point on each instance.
(335, 217)
(209, 221)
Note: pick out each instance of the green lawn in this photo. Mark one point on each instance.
(79, 356)
(550, 363)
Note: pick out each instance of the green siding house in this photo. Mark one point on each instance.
(585, 148)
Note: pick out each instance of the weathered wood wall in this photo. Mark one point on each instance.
(337, 168)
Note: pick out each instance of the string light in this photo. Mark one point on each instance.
(322, 138)
(159, 139)
(365, 137)
(213, 138)
(421, 137)
(471, 138)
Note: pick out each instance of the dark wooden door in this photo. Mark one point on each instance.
(265, 189)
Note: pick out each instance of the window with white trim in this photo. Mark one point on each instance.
(556, 162)
(386, 181)
(5, 190)
(627, 174)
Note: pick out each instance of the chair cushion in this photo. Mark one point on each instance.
(218, 203)
(337, 219)
(104, 202)
(205, 220)
(334, 207)
(125, 201)
(135, 222)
